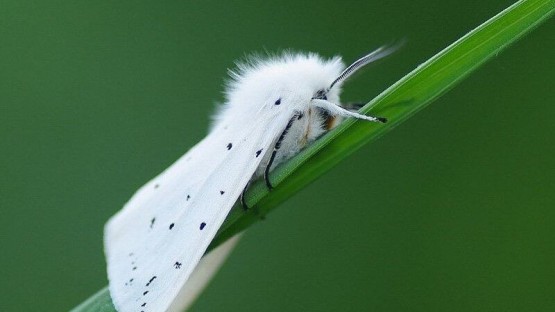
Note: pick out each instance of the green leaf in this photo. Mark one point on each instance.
(400, 101)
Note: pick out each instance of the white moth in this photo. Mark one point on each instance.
(273, 109)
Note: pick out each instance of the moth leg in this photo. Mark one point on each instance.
(243, 201)
(246, 207)
(276, 148)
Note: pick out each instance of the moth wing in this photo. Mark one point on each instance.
(208, 265)
(153, 244)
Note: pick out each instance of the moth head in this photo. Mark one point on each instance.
(331, 92)
(327, 99)
(289, 79)
(292, 80)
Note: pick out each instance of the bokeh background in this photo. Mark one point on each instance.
(452, 211)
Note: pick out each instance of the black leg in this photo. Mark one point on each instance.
(267, 170)
(276, 148)
(246, 207)
(243, 202)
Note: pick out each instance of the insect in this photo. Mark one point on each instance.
(273, 109)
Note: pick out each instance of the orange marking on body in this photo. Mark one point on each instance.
(304, 139)
(331, 122)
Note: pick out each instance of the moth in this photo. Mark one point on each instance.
(274, 107)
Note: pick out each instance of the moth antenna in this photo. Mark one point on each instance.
(338, 110)
(373, 56)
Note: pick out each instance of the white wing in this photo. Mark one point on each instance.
(153, 244)
(202, 274)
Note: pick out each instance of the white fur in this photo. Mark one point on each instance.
(156, 241)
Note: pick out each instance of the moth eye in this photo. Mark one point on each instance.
(278, 101)
(321, 95)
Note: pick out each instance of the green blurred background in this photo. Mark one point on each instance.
(452, 211)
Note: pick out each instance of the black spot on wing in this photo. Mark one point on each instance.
(278, 101)
(229, 146)
(188, 197)
(133, 266)
(144, 304)
(300, 116)
(222, 192)
(172, 225)
(150, 281)
(177, 265)
(202, 225)
(156, 185)
(146, 292)
(258, 152)
(152, 222)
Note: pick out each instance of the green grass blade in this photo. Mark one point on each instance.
(400, 101)
(410, 94)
